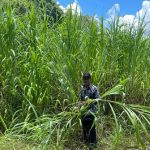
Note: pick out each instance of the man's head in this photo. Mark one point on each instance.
(86, 79)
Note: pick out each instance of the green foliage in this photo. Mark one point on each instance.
(41, 67)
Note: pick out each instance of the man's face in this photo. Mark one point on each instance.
(86, 82)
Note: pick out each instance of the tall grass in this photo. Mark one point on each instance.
(41, 66)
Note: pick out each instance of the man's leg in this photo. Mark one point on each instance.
(93, 135)
(89, 131)
(92, 130)
(85, 129)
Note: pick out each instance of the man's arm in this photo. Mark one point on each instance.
(96, 93)
(82, 96)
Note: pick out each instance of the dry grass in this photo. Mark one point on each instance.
(104, 143)
(15, 144)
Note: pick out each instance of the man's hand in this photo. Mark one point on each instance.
(80, 104)
(87, 102)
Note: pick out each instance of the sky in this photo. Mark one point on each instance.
(129, 10)
(101, 7)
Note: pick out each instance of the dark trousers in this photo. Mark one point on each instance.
(89, 131)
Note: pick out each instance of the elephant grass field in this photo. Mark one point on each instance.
(41, 65)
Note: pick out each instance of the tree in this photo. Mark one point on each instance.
(53, 12)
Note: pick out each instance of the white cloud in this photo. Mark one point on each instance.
(57, 3)
(144, 11)
(129, 19)
(114, 11)
(96, 18)
(75, 7)
(62, 8)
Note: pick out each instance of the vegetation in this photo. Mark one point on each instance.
(41, 64)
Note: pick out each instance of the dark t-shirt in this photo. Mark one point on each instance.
(92, 92)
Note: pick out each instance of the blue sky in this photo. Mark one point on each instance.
(130, 11)
(101, 7)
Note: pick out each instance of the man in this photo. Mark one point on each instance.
(90, 91)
